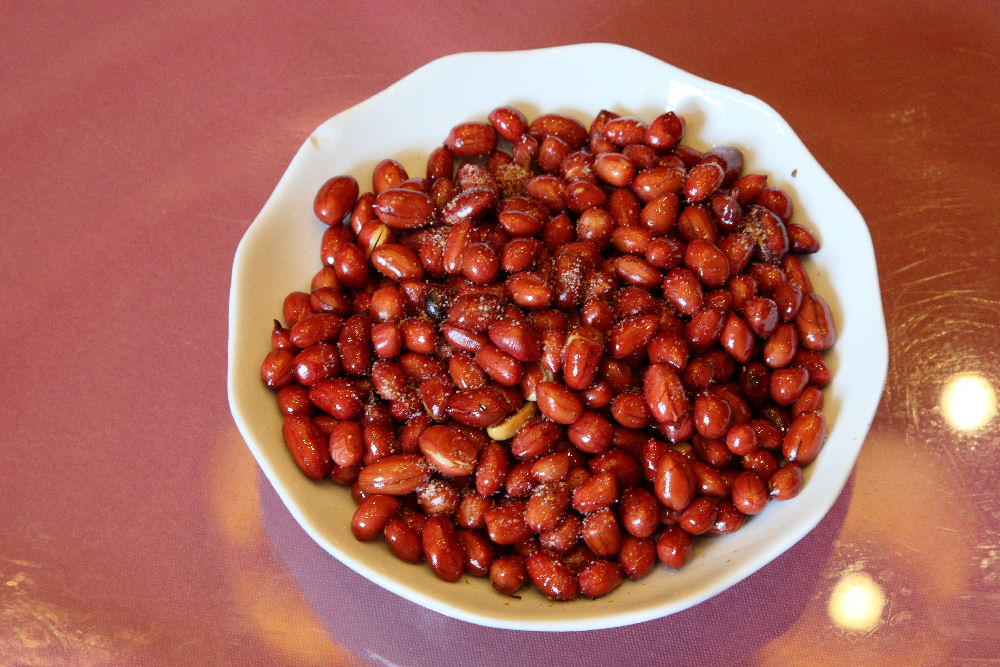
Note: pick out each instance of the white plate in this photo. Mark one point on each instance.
(280, 253)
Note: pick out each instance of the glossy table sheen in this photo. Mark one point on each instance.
(138, 145)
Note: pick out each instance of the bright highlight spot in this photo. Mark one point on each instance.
(856, 603)
(969, 402)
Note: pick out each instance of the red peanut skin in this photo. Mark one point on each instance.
(665, 394)
(558, 403)
(675, 483)
(674, 547)
(335, 199)
(551, 576)
(396, 475)
(403, 541)
(372, 515)
(308, 445)
(508, 574)
(599, 578)
(804, 438)
(442, 548)
(448, 451)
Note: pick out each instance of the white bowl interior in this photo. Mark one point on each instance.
(280, 253)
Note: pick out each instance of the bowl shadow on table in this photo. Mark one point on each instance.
(386, 629)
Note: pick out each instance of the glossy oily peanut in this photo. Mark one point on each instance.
(614, 169)
(787, 384)
(802, 240)
(509, 122)
(712, 416)
(354, 345)
(551, 576)
(480, 263)
(315, 328)
(395, 475)
(591, 433)
(599, 578)
(632, 334)
(372, 515)
(294, 400)
(597, 492)
(508, 574)
(335, 199)
(729, 158)
(529, 290)
(308, 446)
(402, 208)
(640, 512)
(683, 290)
(653, 182)
(749, 493)
(625, 130)
(546, 506)
(518, 339)
(478, 407)
(699, 516)
(708, 262)
(397, 262)
(558, 403)
(814, 324)
(277, 369)
(727, 519)
(534, 439)
(810, 400)
(477, 551)
(500, 366)
(338, 397)
(786, 482)
(664, 131)
(442, 548)
(637, 556)
(581, 357)
(761, 315)
(665, 394)
(781, 346)
(804, 438)
(403, 541)
(601, 533)
(448, 451)
(703, 181)
(674, 547)
(471, 511)
(737, 338)
(675, 483)
(472, 139)
(768, 231)
(346, 443)
(631, 410)
(564, 127)
(505, 523)
(491, 470)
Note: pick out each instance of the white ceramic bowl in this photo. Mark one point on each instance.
(280, 253)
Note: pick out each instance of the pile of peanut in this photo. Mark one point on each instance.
(558, 356)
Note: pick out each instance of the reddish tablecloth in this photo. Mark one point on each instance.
(141, 139)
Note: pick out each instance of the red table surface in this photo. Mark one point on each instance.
(138, 144)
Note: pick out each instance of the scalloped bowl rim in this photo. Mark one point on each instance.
(269, 263)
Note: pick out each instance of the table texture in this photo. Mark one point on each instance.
(139, 140)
